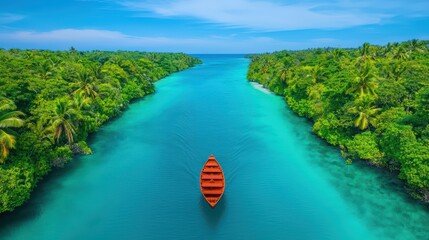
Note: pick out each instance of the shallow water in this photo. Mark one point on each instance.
(282, 182)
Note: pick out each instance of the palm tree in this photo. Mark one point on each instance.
(315, 93)
(265, 64)
(8, 119)
(337, 55)
(43, 132)
(45, 69)
(401, 53)
(80, 101)
(395, 70)
(366, 113)
(282, 70)
(415, 45)
(64, 120)
(96, 70)
(365, 81)
(316, 74)
(365, 53)
(86, 85)
(389, 48)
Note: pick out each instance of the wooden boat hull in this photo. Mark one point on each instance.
(212, 181)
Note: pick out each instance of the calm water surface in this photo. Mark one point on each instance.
(282, 182)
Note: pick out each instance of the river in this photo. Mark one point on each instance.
(282, 182)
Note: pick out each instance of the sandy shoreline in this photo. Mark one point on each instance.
(261, 88)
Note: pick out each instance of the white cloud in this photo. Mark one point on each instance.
(255, 14)
(91, 39)
(65, 35)
(9, 18)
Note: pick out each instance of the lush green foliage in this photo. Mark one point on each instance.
(8, 119)
(373, 101)
(63, 97)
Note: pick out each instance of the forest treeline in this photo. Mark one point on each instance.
(51, 100)
(372, 102)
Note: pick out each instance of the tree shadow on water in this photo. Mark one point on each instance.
(40, 196)
(213, 215)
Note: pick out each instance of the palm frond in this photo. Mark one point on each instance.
(7, 141)
(6, 104)
(11, 122)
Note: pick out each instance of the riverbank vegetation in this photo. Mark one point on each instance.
(50, 102)
(372, 102)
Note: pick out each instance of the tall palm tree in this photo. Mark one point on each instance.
(366, 53)
(64, 120)
(85, 84)
(282, 70)
(415, 45)
(43, 132)
(365, 81)
(315, 74)
(315, 93)
(337, 53)
(401, 53)
(80, 101)
(337, 56)
(8, 119)
(395, 70)
(366, 113)
(45, 69)
(265, 64)
(389, 48)
(97, 72)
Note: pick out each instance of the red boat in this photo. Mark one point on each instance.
(212, 181)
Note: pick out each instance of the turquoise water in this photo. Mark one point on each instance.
(282, 182)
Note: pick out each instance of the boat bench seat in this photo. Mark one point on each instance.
(209, 176)
(210, 170)
(214, 192)
(212, 164)
(212, 184)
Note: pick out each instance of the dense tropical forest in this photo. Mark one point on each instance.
(372, 102)
(51, 100)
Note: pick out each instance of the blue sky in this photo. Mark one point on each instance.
(209, 26)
